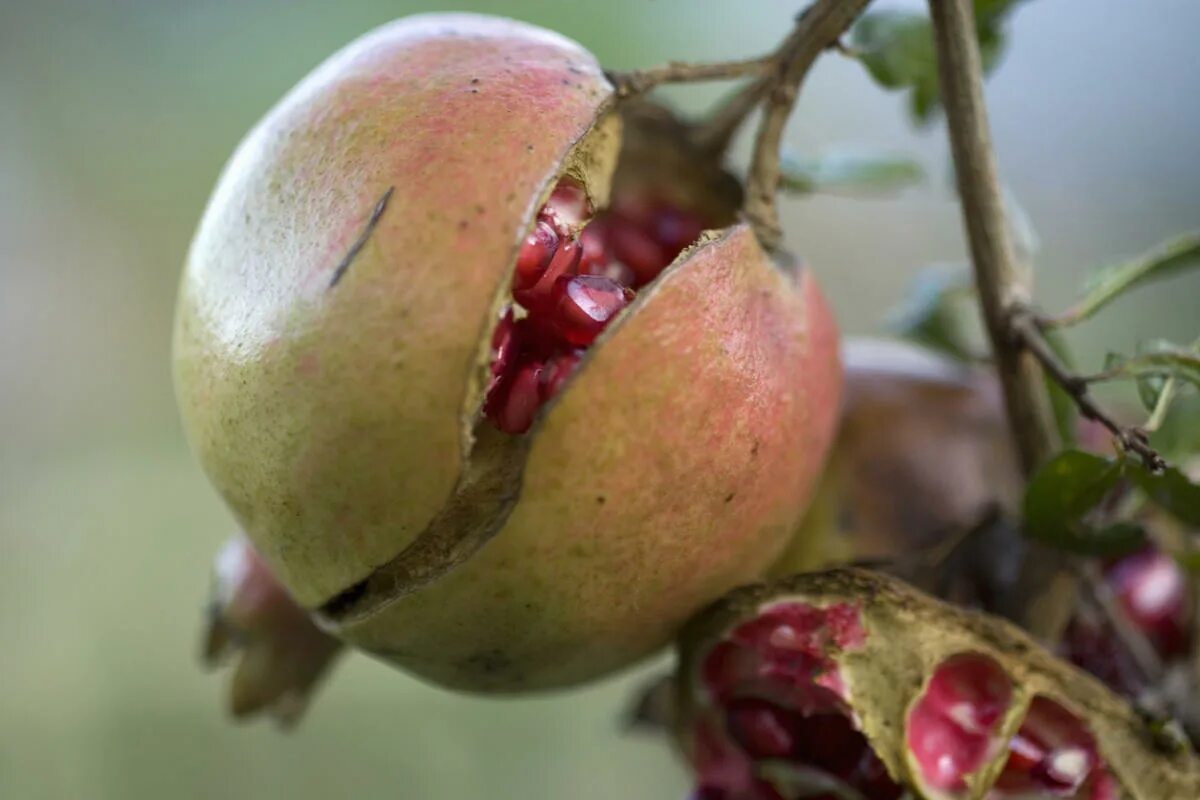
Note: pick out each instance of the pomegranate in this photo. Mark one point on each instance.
(922, 453)
(850, 684)
(484, 366)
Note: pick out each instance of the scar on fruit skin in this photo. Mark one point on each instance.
(361, 241)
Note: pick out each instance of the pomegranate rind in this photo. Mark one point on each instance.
(340, 292)
(908, 635)
(673, 466)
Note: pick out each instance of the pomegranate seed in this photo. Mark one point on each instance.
(1154, 594)
(638, 250)
(519, 401)
(949, 730)
(555, 373)
(594, 239)
(829, 741)
(675, 228)
(970, 690)
(565, 263)
(1053, 753)
(584, 304)
(505, 343)
(945, 752)
(760, 728)
(535, 254)
(570, 202)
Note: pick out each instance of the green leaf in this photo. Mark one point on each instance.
(1178, 437)
(850, 172)
(1060, 496)
(896, 47)
(1165, 260)
(1159, 359)
(1172, 491)
(939, 312)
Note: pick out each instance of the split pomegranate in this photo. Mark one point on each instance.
(570, 282)
(849, 684)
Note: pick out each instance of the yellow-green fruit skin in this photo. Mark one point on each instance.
(329, 417)
(673, 466)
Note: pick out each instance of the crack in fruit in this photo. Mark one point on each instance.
(573, 275)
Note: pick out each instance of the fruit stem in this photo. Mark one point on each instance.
(818, 28)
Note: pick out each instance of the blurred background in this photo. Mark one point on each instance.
(115, 117)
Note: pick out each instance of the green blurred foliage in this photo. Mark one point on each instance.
(115, 118)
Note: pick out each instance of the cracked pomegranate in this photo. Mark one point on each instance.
(429, 351)
(848, 684)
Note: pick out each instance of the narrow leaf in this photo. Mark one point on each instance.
(896, 47)
(1164, 361)
(938, 311)
(1165, 260)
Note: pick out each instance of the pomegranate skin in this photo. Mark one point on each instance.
(335, 403)
(330, 413)
(672, 468)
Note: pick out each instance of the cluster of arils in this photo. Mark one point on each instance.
(574, 273)
(779, 711)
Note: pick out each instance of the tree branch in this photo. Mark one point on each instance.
(1047, 587)
(818, 28)
(643, 80)
(997, 277)
(1029, 334)
(714, 134)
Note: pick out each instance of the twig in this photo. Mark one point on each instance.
(1029, 334)
(714, 134)
(817, 29)
(643, 80)
(996, 271)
